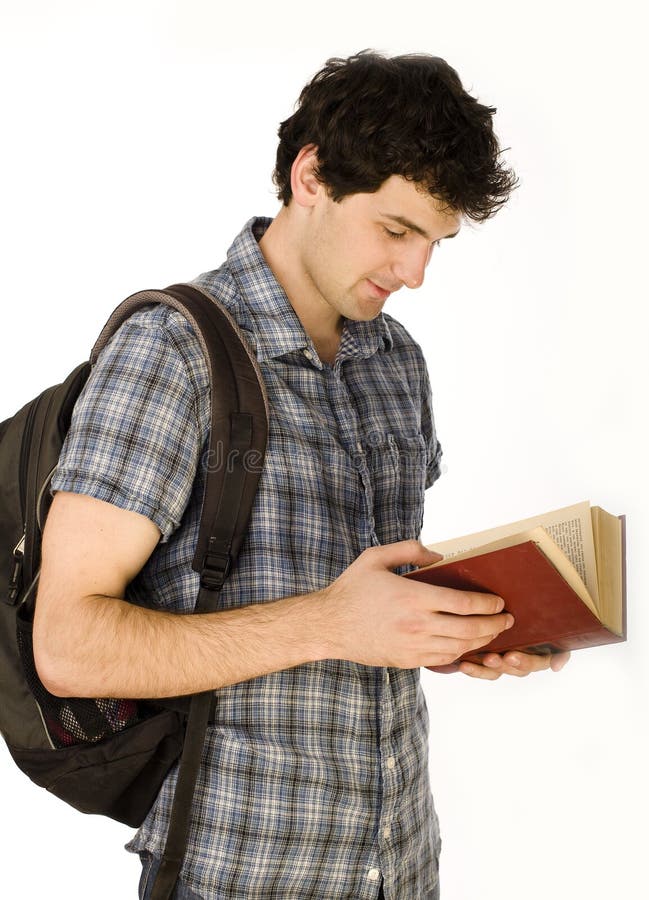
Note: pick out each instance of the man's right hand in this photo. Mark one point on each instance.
(378, 618)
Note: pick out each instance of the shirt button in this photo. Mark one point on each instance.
(386, 832)
(308, 354)
(390, 762)
(387, 677)
(374, 874)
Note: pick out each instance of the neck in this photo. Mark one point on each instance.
(320, 321)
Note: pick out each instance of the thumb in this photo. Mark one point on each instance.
(403, 553)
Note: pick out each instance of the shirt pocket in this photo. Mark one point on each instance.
(397, 469)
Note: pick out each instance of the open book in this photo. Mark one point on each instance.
(561, 575)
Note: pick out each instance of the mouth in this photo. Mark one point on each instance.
(379, 292)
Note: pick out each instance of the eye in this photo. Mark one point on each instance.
(396, 235)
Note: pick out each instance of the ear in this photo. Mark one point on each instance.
(305, 186)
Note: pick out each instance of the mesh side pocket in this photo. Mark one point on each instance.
(70, 721)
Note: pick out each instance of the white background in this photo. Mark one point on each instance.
(138, 137)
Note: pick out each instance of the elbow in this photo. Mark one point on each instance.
(52, 669)
(49, 673)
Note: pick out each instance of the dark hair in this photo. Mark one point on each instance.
(371, 117)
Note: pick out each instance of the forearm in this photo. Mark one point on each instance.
(106, 647)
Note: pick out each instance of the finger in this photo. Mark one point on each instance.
(559, 660)
(404, 553)
(470, 628)
(460, 603)
(517, 663)
(525, 663)
(448, 669)
(536, 662)
(450, 648)
(475, 670)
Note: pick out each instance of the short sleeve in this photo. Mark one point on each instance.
(138, 428)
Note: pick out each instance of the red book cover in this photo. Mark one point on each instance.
(549, 616)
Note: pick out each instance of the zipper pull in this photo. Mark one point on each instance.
(18, 554)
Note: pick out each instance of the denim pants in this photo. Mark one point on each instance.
(150, 866)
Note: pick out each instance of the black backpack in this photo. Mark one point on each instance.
(111, 756)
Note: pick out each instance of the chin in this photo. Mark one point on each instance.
(365, 315)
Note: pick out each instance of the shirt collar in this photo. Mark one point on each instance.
(275, 324)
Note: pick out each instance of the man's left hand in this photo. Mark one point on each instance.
(513, 663)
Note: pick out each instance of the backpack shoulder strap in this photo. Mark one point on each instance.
(238, 436)
(239, 420)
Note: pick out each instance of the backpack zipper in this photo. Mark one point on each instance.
(18, 554)
(26, 441)
(19, 549)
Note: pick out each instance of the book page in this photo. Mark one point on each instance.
(569, 527)
(607, 532)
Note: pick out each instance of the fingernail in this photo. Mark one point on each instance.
(514, 661)
(500, 605)
(509, 622)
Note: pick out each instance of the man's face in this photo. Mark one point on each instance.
(358, 251)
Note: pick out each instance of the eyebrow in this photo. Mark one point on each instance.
(401, 220)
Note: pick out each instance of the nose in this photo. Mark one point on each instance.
(410, 264)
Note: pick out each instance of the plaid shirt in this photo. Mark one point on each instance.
(314, 781)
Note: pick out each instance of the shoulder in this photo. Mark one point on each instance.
(159, 339)
(221, 284)
(142, 420)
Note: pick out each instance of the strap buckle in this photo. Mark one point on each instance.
(216, 567)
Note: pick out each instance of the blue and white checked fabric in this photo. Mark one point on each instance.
(314, 781)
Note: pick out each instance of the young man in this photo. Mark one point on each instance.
(314, 781)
